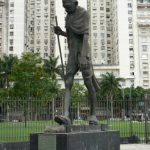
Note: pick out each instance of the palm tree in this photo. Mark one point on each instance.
(109, 86)
(51, 67)
(6, 65)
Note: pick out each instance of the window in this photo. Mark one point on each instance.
(38, 41)
(11, 48)
(146, 82)
(129, 19)
(144, 39)
(11, 26)
(45, 54)
(130, 5)
(101, 8)
(94, 27)
(130, 26)
(102, 47)
(144, 48)
(95, 35)
(12, 4)
(132, 57)
(132, 73)
(38, 49)
(102, 35)
(145, 74)
(130, 41)
(107, 10)
(46, 41)
(11, 33)
(108, 35)
(144, 56)
(144, 65)
(108, 42)
(11, 41)
(131, 49)
(46, 2)
(130, 12)
(131, 64)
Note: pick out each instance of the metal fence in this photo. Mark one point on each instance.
(20, 117)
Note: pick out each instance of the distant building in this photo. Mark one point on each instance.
(120, 36)
(143, 44)
(3, 27)
(39, 35)
(16, 23)
(109, 37)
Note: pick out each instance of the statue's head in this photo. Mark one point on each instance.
(70, 5)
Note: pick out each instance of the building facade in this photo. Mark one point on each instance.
(120, 36)
(143, 42)
(15, 27)
(3, 26)
(109, 37)
(40, 20)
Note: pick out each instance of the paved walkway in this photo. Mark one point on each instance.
(134, 147)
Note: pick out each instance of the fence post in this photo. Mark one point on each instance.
(107, 111)
(146, 98)
(130, 100)
(53, 108)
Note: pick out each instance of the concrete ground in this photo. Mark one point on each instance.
(134, 147)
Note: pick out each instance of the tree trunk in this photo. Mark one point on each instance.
(112, 111)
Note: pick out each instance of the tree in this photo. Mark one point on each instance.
(31, 83)
(78, 93)
(109, 85)
(30, 79)
(50, 66)
(6, 64)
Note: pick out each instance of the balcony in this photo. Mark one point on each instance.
(143, 23)
(143, 4)
(1, 3)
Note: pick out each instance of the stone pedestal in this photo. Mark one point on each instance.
(73, 139)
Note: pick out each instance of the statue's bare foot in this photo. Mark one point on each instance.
(62, 120)
(93, 120)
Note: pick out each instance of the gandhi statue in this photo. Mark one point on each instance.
(77, 33)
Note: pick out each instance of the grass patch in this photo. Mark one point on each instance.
(17, 131)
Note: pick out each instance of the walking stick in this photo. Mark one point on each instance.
(60, 50)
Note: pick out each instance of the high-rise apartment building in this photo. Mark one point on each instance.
(109, 37)
(40, 17)
(143, 43)
(3, 27)
(15, 27)
(120, 37)
(115, 38)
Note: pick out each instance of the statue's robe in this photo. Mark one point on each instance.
(77, 26)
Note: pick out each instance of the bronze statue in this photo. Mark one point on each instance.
(77, 33)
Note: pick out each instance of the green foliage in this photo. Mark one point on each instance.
(6, 64)
(109, 85)
(50, 66)
(134, 93)
(30, 79)
(78, 93)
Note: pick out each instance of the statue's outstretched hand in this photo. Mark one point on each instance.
(58, 30)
